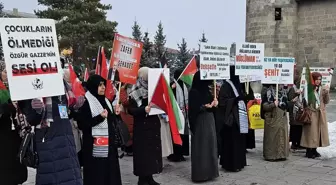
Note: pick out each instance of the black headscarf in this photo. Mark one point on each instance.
(236, 82)
(203, 88)
(92, 86)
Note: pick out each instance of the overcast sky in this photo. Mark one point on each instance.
(223, 21)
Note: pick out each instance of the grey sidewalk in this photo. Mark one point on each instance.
(297, 170)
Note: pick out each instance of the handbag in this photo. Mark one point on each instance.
(27, 152)
(254, 117)
(302, 113)
(122, 135)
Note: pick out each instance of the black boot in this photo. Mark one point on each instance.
(310, 153)
(316, 153)
(143, 181)
(151, 181)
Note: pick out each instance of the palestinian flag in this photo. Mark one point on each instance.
(310, 95)
(188, 73)
(4, 93)
(164, 99)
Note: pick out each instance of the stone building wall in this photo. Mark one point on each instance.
(307, 30)
(317, 32)
(279, 36)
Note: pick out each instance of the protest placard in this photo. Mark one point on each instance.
(249, 57)
(214, 62)
(326, 73)
(278, 70)
(32, 58)
(125, 58)
(249, 78)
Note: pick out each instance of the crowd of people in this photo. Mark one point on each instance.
(87, 137)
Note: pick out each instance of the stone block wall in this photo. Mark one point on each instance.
(280, 37)
(317, 32)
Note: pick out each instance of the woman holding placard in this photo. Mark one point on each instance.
(274, 112)
(204, 155)
(316, 135)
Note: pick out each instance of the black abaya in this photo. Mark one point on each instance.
(232, 142)
(250, 136)
(102, 171)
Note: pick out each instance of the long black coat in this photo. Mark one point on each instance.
(11, 171)
(147, 151)
(58, 162)
(102, 171)
(232, 142)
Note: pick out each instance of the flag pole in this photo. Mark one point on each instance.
(215, 89)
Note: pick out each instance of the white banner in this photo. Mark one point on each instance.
(326, 73)
(278, 70)
(250, 78)
(214, 62)
(32, 58)
(249, 58)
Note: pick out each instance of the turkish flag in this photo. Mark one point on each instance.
(101, 141)
(76, 85)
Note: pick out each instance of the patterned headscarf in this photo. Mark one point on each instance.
(2, 68)
(140, 90)
(282, 96)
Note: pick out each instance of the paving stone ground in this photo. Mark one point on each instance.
(297, 170)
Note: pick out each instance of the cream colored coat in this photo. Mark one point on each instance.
(316, 134)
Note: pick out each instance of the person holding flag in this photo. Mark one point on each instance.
(147, 148)
(316, 135)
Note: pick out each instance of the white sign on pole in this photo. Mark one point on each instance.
(249, 57)
(245, 78)
(278, 70)
(154, 75)
(214, 62)
(326, 73)
(32, 58)
(250, 78)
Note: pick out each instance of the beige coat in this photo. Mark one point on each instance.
(276, 143)
(316, 134)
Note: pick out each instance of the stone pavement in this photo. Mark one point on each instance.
(297, 170)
